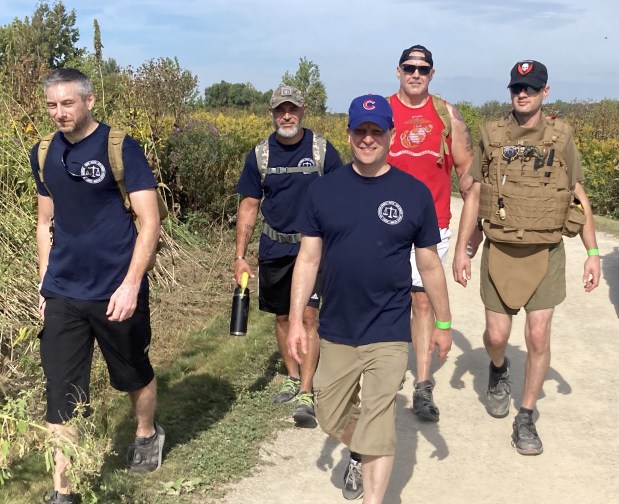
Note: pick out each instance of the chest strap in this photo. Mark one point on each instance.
(281, 237)
(280, 170)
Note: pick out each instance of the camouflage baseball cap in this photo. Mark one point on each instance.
(286, 94)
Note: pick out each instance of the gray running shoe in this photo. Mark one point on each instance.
(423, 403)
(499, 392)
(290, 389)
(353, 481)
(145, 454)
(303, 414)
(60, 498)
(524, 436)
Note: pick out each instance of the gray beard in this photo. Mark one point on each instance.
(288, 133)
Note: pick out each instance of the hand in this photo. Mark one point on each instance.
(461, 268)
(591, 276)
(123, 302)
(241, 266)
(42, 303)
(441, 339)
(296, 336)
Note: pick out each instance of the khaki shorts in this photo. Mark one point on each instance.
(550, 293)
(337, 392)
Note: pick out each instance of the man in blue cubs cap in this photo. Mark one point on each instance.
(360, 223)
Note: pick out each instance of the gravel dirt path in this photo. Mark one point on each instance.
(467, 457)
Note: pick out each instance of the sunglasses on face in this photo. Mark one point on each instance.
(519, 88)
(410, 69)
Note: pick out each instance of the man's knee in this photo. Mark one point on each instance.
(332, 426)
(421, 304)
(310, 321)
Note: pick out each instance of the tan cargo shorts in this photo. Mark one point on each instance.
(358, 385)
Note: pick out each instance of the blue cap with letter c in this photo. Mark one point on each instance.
(370, 108)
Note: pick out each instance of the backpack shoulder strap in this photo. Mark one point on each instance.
(115, 155)
(319, 150)
(443, 113)
(42, 154)
(262, 157)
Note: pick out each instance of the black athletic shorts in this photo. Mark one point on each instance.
(274, 283)
(67, 344)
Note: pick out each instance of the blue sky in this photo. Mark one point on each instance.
(356, 44)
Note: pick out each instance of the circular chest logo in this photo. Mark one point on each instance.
(93, 171)
(390, 212)
(306, 162)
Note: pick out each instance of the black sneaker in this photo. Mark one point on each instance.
(499, 392)
(145, 454)
(60, 498)
(353, 481)
(423, 403)
(290, 389)
(303, 414)
(524, 436)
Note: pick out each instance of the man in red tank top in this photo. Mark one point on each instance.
(420, 149)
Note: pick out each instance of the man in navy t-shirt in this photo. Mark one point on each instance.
(275, 179)
(361, 222)
(92, 272)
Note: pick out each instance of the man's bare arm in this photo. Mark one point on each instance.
(245, 223)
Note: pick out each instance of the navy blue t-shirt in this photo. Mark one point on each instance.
(368, 225)
(283, 195)
(94, 236)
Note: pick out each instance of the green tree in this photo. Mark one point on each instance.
(49, 38)
(307, 80)
(29, 48)
(235, 95)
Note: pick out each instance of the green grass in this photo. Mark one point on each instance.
(606, 225)
(215, 402)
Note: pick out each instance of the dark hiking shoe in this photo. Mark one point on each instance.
(423, 403)
(499, 392)
(353, 481)
(524, 436)
(60, 498)
(303, 414)
(145, 454)
(290, 389)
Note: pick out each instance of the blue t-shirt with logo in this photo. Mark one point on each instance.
(283, 195)
(368, 225)
(94, 236)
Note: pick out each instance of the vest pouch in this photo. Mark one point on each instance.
(486, 198)
(574, 219)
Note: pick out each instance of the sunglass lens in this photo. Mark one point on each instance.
(411, 69)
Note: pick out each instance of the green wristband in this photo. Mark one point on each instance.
(592, 252)
(442, 325)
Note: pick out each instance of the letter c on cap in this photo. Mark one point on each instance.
(369, 104)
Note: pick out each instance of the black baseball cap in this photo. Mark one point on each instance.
(406, 54)
(529, 72)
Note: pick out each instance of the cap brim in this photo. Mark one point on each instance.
(527, 81)
(383, 124)
(278, 101)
